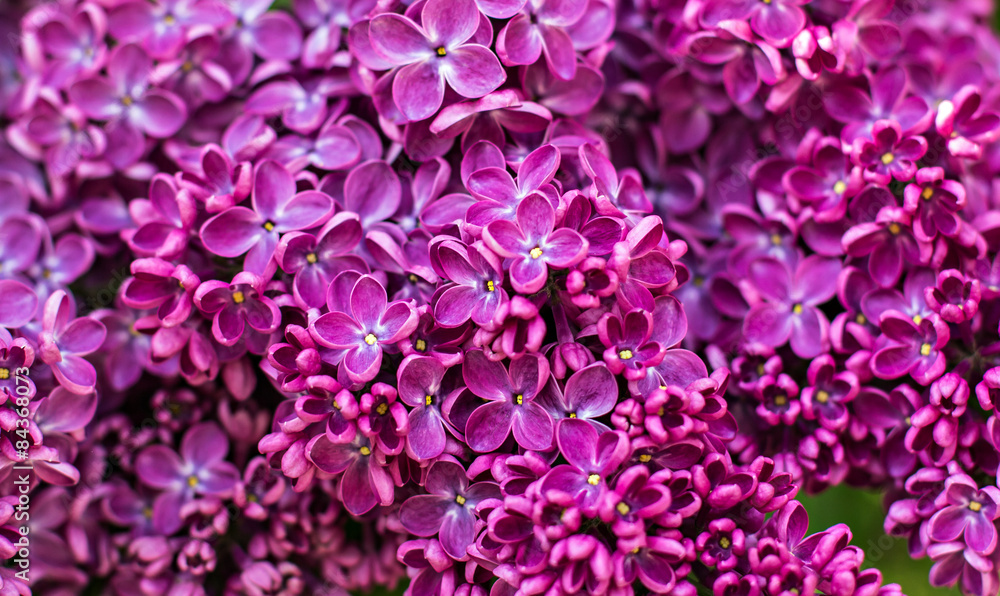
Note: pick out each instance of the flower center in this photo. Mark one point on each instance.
(441, 51)
(365, 450)
(382, 409)
(571, 414)
(127, 100)
(775, 239)
(888, 158)
(428, 400)
(169, 19)
(192, 481)
(460, 499)
(894, 229)
(860, 319)
(269, 225)
(822, 396)
(238, 297)
(519, 399)
(489, 286)
(188, 66)
(623, 508)
(536, 253)
(917, 319)
(780, 399)
(797, 309)
(4, 373)
(420, 345)
(593, 480)
(370, 339)
(311, 258)
(413, 278)
(625, 354)
(975, 506)
(645, 458)
(925, 350)
(725, 542)
(839, 187)
(927, 194)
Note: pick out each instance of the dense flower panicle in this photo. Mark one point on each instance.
(495, 297)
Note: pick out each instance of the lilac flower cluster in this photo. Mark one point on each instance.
(495, 297)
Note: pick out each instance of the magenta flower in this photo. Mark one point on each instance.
(167, 288)
(384, 420)
(500, 194)
(161, 27)
(448, 511)
(219, 184)
(889, 243)
(777, 21)
(75, 45)
(437, 52)
(590, 393)
(235, 305)
(371, 325)
(970, 511)
(277, 208)
(542, 29)
(296, 361)
(889, 155)
(966, 128)
(476, 291)
(914, 349)
(194, 75)
(790, 311)
(200, 468)
(421, 386)
(273, 35)
(364, 483)
(126, 100)
(316, 260)
(510, 403)
(629, 350)
(828, 183)
(64, 341)
(934, 202)
(533, 244)
(593, 457)
(165, 220)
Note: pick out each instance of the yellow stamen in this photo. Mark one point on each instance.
(536, 253)
(169, 19)
(699, 281)
(311, 258)
(413, 278)
(645, 458)
(365, 451)
(4, 373)
(441, 51)
(269, 226)
(661, 412)
(822, 396)
(780, 400)
(625, 354)
(925, 350)
(428, 400)
(918, 319)
(238, 297)
(460, 500)
(571, 414)
(188, 66)
(192, 481)
(775, 239)
(490, 287)
(860, 319)
(420, 345)
(382, 409)
(593, 480)
(760, 370)
(894, 229)
(725, 542)
(888, 158)
(127, 101)
(797, 309)
(975, 506)
(623, 508)
(147, 512)
(839, 187)
(370, 339)
(519, 399)
(927, 194)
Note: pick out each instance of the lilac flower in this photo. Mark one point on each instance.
(541, 29)
(448, 510)
(476, 291)
(194, 75)
(969, 511)
(64, 341)
(384, 420)
(914, 349)
(953, 298)
(435, 52)
(237, 304)
(421, 386)
(934, 202)
(828, 393)
(791, 313)
(629, 349)
(133, 109)
(303, 107)
(220, 184)
(511, 402)
(778, 22)
(371, 325)
(888, 99)
(277, 208)
(889, 244)
(316, 260)
(364, 482)
(592, 458)
(589, 393)
(271, 34)
(74, 44)
(161, 27)
(828, 184)
(296, 361)
(200, 468)
(165, 220)
(167, 288)
(960, 122)
(889, 155)
(534, 244)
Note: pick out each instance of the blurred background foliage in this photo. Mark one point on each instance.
(862, 511)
